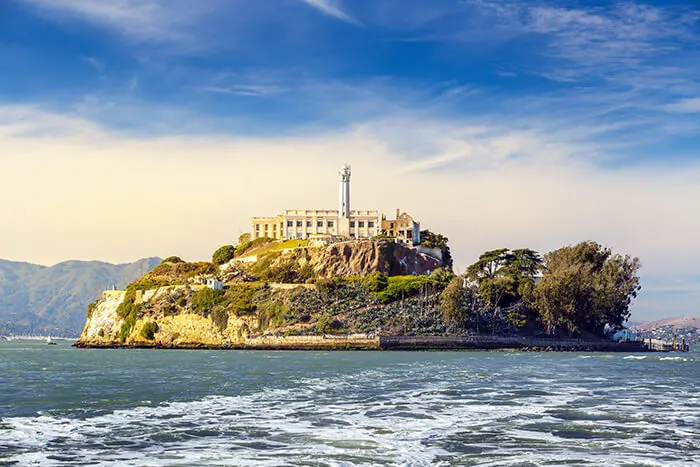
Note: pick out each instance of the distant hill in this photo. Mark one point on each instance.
(679, 322)
(53, 300)
(684, 328)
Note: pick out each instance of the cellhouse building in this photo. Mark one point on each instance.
(341, 223)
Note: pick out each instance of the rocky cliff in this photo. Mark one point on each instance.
(304, 295)
(297, 262)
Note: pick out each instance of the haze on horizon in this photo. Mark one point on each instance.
(137, 128)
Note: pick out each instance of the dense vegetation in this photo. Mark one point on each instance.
(429, 239)
(575, 290)
(223, 254)
(584, 289)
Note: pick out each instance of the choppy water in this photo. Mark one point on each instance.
(63, 406)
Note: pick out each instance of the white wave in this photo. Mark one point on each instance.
(419, 415)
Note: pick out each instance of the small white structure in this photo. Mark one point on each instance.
(215, 284)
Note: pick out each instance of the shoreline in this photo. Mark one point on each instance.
(395, 343)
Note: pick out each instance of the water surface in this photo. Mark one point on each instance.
(64, 406)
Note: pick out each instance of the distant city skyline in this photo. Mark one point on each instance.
(138, 128)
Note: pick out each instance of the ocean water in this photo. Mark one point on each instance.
(64, 406)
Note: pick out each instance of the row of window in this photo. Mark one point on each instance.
(361, 224)
(274, 227)
(319, 224)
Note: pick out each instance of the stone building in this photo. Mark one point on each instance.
(403, 227)
(341, 223)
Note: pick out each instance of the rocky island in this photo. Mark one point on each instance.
(337, 279)
(369, 294)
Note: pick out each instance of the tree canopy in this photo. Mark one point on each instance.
(580, 289)
(504, 276)
(429, 239)
(223, 255)
(586, 287)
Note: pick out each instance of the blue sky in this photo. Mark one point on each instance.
(589, 107)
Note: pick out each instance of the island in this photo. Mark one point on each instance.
(359, 279)
(371, 294)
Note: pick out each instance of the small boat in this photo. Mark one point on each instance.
(49, 341)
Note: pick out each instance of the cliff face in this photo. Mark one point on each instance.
(174, 326)
(343, 315)
(345, 259)
(358, 259)
(298, 296)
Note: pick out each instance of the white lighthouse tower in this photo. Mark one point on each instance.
(344, 201)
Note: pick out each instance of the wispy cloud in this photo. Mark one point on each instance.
(258, 90)
(154, 21)
(538, 194)
(691, 105)
(332, 8)
(98, 65)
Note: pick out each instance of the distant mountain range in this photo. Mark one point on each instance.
(685, 328)
(53, 300)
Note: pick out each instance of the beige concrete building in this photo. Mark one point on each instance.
(341, 223)
(301, 224)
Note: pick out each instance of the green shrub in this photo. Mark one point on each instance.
(128, 305)
(400, 287)
(148, 282)
(127, 326)
(442, 277)
(272, 314)
(251, 244)
(91, 308)
(172, 259)
(204, 300)
(240, 299)
(149, 330)
(326, 324)
(375, 282)
(223, 255)
(220, 318)
(243, 238)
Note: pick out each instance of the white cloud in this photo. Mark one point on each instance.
(142, 20)
(332, 8)
(691, 105)
(247, 89)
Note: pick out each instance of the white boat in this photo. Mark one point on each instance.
(49, 341)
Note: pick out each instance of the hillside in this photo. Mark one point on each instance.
(272, 290)
(302, 294)
(684, 327)
(37, 299)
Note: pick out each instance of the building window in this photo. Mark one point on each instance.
(352, 223)
(319, 224)
(330, 224)
(361, 224)
(308, 223)
(391, 225)
(281, 225)
(257, 227)
(290, 223)
(265, 227)
(299, 224)
(370, 224)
